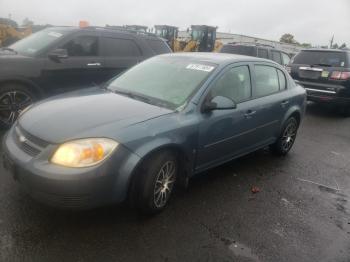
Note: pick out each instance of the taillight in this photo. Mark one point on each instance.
(337, 75)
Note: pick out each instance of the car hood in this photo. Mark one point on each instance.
(75, 115)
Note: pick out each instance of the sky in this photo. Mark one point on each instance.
(310, 21)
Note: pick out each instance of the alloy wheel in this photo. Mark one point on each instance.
(289, 135)
(12, 103)
(164, 184)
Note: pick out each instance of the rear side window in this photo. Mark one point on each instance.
(285, 59)
(263, 53)
(158, 46)
(119, 47)
(82, 46)
(276, 56)
(266, 79)
(239, 50)
(322, 58)
(282, 80)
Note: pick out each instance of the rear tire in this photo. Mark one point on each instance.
(287, 137)
(154, 182)
(14, 98)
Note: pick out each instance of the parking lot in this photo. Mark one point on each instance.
(302, 212)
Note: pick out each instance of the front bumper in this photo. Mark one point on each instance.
(325, 93)
(71, 188)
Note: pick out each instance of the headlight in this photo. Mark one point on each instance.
(84, 152)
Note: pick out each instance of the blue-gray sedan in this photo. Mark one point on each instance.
(152, 127)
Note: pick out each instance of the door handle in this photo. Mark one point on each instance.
(284, 103)
(94, 64)
(249, 114)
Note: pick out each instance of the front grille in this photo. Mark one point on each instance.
(29, 144)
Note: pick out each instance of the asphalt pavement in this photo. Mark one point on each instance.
(301, 211)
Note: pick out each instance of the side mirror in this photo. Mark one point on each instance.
(58, 54)
(219, 103)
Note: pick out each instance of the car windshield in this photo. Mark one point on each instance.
(322, 58)
(164, 81)
(33, 44)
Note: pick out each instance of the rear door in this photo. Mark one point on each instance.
(82, 68)
(119, 52)
(271, 98)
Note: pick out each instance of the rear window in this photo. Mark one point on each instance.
(158, 46)
(239, 50)
(322, 58)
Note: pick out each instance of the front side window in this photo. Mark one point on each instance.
(276, 56)
(82, 46)
(119, 47)
(165, 81)
(34, 43)
(235, 84)
(266, 79)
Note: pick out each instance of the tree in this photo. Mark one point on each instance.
(335, 46)
(306, 45)
(27, 22)
(288, 38)
(343, 46)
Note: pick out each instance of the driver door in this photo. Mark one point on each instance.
(224, 134)
(81, 69)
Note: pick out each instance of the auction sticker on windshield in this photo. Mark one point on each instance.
(200, 67)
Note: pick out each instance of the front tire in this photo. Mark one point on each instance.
(287, 137)
(154, 183)
(14, 98)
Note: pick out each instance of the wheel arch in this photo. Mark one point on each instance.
(184, 161)
(292, 112)
(25, 82)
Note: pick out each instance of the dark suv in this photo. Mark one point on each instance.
(325, 74)
(262, 51)
(60, 59)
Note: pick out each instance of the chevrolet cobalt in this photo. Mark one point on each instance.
(151, 128)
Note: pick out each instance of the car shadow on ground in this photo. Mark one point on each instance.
(323, 111)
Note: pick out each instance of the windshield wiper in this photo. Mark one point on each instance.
(133, 95)
(9, 49)
(328, 65)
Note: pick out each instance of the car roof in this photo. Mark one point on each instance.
(109, 30)
(256, 45)
(217, 58)
(325, 50)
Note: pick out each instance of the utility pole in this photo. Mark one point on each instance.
(332, 39)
